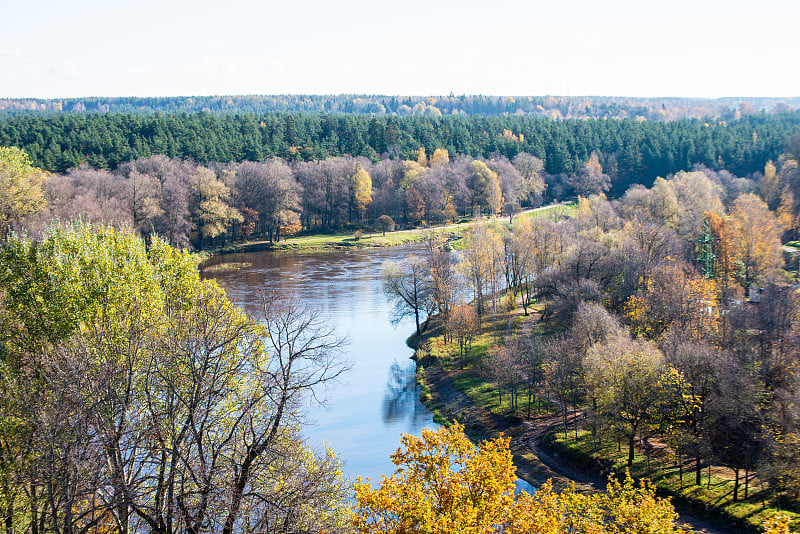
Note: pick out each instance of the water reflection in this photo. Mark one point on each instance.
(401, 399)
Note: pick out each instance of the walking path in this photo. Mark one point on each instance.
(535, 462)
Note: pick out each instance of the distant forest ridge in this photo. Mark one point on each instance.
(631, 151)
(659, 109)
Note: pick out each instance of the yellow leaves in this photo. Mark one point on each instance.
(20, 187)
(758, 243)
(362, 189)
(675, 296)
(445, 485)
(777, 524)
(440, 158)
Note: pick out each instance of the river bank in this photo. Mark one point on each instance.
(536, 459)
(361, 239)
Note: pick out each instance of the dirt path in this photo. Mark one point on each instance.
(535, 462)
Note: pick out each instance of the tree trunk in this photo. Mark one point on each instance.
(631, 443)
(697, 471)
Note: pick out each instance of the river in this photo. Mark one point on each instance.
(377, 399)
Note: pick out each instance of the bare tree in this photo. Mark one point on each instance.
(408, 285)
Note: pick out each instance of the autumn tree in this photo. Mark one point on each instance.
(627, 377)
(726, 266)
(485, 186)
(769, 186)
(384, 223)
(530, 168)
(590, 180)
(462, 326)
(362, 191)
(675, 296)
(562, 373)
(758, 244)
(155, 403)
(444, 484)
(210, 205)
(479, 262)
(439, 158)
(21, 192)
(441, 265)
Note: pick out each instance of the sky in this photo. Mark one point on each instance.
(640, 48)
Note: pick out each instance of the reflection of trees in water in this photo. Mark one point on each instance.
(400, 400)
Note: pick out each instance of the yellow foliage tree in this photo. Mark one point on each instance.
(362, 190)
(758, 238)
(422, 158)
(440, 158)
(445, 485)
(675, 297)
(20, 187)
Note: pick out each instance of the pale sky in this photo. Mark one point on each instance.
(694, 48)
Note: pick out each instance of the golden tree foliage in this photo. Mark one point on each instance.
(758, 238)
(769, 185)
(362, 190)
(440, 158)
(675, 296)
(422, 158)
(724, 245)
(20, 187)
(462, 325)
(444, 485)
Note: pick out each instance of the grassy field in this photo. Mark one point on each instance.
(371, 239)
(713, 497)
(468, 376)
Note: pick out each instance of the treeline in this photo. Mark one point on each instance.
(435, 106)
(667, 313)
(190, 203)
(631, 151)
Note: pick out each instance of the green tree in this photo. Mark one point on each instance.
(137, 391)
(626, 374)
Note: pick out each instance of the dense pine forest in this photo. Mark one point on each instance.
(632, 151)
(435, 106)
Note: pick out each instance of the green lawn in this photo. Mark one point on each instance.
(714, 496)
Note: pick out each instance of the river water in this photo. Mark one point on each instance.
(376, 400)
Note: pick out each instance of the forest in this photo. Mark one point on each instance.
(139, 398)
(203, 180)
(555, 107)
(632, 151)
(662, 326)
